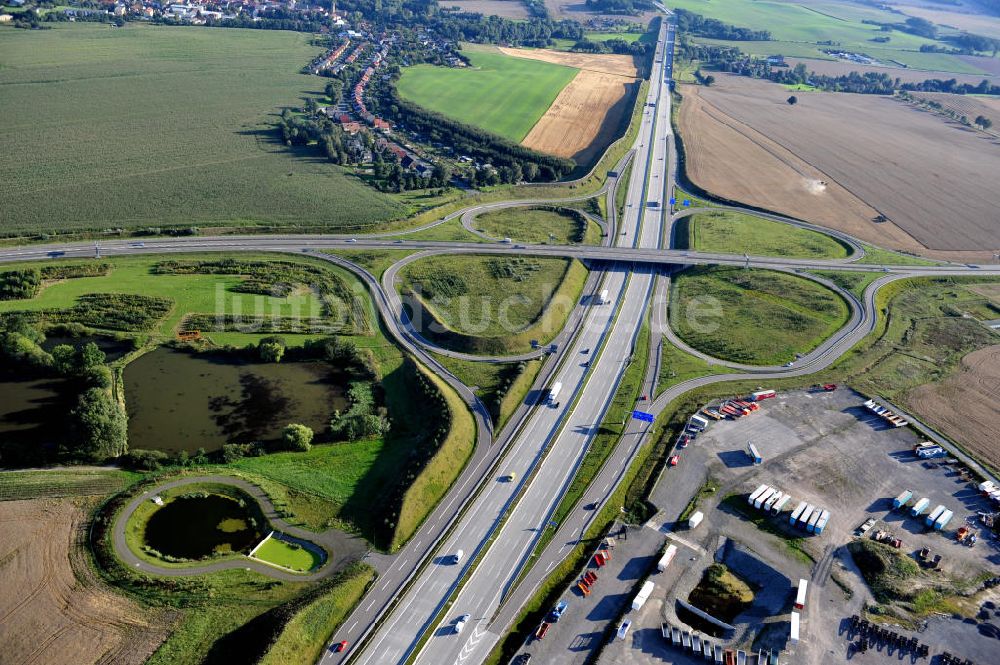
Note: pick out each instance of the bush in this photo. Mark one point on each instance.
(145, 460)
(297, 437)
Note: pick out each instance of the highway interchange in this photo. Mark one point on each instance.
(497, 524)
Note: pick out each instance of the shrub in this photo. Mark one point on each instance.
(297, 437)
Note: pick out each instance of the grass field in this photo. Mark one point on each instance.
(492, 304)
(739, 233)
(208, 294)
(678, 366)
(287, 555)
(155, 126)
(855, 282)
(306, 634)
(753, 316)
(538, 225)
(797, 30)
(499, 93)
(489, 379)
(375, 261)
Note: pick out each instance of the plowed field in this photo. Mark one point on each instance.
(52, 608)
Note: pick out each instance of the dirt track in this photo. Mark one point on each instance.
(934, 181)
(53, 609)
(964, 406)
(584, 117)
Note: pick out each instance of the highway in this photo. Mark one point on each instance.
(497, 524)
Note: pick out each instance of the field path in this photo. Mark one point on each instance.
(341, 549)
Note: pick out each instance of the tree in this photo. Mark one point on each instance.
(793, 100)
(297, 437)
(91, 356)
(101, 426)
(271, 349)
(64, 359)
(983, 122)
(708, 80)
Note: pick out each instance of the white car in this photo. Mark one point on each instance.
(460, 624)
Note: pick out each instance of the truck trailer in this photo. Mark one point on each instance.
(797, 513)
(821, 524)
(602, 298)
(933, 515)
(763, 394)
(695, 519)
(552, 394)
(943, 520)
(764, 496)
(769, 504)
(811, 525)
(667, 557)
(756, 493)
(754, 454)
(805, 516)
(780, 504)
(793, 634)
(643, 595)
(800, 594)
(920, 506)
(901, 500)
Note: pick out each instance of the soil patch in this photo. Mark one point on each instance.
(53, 610)
(964, 406)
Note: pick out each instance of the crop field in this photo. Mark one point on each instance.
(839, 160)
(798, 28)
(507, 8)
(492, 304)
(536, 225)
(739, 233)
(753, 316)
(980, 24)
(53, 609)
(971, 106)
(155, 126)
(620, 65)
(205, 294)
(842, 67)
(499, 93)
(63, 483)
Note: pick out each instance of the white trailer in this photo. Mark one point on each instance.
(643, 595)
(811, 525)
(695, 519)
(602, 297)
(821, 524)
(699, 421)
(943, 520)
(667, 557)
(756, 493)
(780, 505)
(553, 393)
(800, 594)
(793, 634)
(769, 504)
(797, 513)
(806, 514)
(764, 496)
(934, 514)
(920, 506)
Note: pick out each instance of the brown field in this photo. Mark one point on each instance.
(970, 107)
(52, 608)
(839, 68)
(834, 159)
(979, 24)
(506, 8)
(578, 11)
(584, 118)
(620, 65)
(964, 406)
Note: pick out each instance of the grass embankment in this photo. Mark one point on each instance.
(854, 282)
(443, 468)
(499, 93)
(492, 304)
(721, 593)
(23, 485)
(878, 256)
(753, 316)
(501, 386)
(540, 225)
(307, 633)
(678, 366)
(375, 261)
(118, 104)
(738, 233)
(288, 555)
(211, 294)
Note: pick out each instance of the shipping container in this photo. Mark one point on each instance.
(763, 394)
(793, 635)
(695, 519)
(821, 524)
(797, 513)
(901, 500)
(920, 506)
(696, 643)
(770, 503)
(780, 505)
(804, 517)
(764, 496)
(675, 636)
(756, 493)
(667, 557)
(665, 630)
(643, 595)
(699, 421)
(933, 515)
(706, 649)
(811, 525)
(800, 594)
(718, 653)
(943, 520)
(686, 639)
(754, 454)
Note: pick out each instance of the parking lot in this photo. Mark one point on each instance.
(824, 448)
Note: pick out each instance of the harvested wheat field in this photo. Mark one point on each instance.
(964, 406)
(53, 609)
(839, 159)
(584, 118)
(507, 8)
(622, 65)
(842, 67)
(966, 105)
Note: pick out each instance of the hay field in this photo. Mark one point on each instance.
(620, 65)
(52, 609)
(157, 126)
(835, 159)
(507, 8)
(964, 405)
(980, 24)
(584, 118)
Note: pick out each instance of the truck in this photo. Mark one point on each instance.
(695, 519)
(780, 504)
(652, 204)
(821, 523)
(933, 515)
(552, 393)
(943, 520)
(931, 452)
(764, 496)
(797, 513)
(756, 493)
(602, 298)
(667, 557)
(754, 454)
(800, 594)
(762, 394)
(793, 634)
(919, 507)
(901, 500)
(698, 421)
(643, 595)
(811, 525)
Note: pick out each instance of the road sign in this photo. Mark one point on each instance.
(687, 202)
(643, 416)
(673, 201)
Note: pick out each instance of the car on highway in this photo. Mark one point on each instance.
(457, 556)
(509, 478)
(352, 240)
(460, 623)
(593, 505)
(675, 460)
(137, 244)
(340, 647)
(789, 363)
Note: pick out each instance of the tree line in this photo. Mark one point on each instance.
(696, 24)
(629, 7)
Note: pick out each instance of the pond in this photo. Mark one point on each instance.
(28, 432)
(198, 526)
(184, 401)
